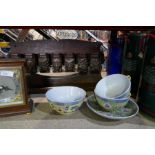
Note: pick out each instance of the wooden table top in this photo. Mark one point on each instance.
(44, 117)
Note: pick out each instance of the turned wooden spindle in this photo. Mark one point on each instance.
(31, 63)
(82, 63)
(95, 63)
(57, 63)
(43, 62)
(69, 63)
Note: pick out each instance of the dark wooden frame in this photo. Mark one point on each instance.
(26, 107)
(68, 48)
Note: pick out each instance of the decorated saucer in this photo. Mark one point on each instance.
(130, 110)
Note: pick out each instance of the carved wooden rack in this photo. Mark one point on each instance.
(44, 54)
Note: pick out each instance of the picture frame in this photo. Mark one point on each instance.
(13, 87)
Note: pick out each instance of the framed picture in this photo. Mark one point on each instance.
(13, 90)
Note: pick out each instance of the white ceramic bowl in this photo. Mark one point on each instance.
(113, 86)
(65, 99)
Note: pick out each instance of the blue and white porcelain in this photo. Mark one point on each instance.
(113, 92)
(113, 86)
(65, 99)
(111, 104)
(130, 110)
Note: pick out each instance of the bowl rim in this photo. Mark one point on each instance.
(67, 102)
(113, 99)
(116, 97)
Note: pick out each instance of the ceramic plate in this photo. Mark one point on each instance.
(130, 110)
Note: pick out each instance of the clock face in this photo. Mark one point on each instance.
(12, 92)
(9, 88)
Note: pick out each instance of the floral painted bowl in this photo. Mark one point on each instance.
(65, 99)
(111, 104)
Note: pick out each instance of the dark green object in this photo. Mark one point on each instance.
(132, 62)
(147, 101)
(147, 90)
(149, 74)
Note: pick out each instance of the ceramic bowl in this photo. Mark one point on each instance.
(111, 104)
(65, 99)
(113, 86)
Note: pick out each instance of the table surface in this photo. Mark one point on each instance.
(43, 117)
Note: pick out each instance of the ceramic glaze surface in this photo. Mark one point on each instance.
(130, 110)
(113, 86)
(65, 109)
(66, 94)
(65, 99)
(111, 105)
